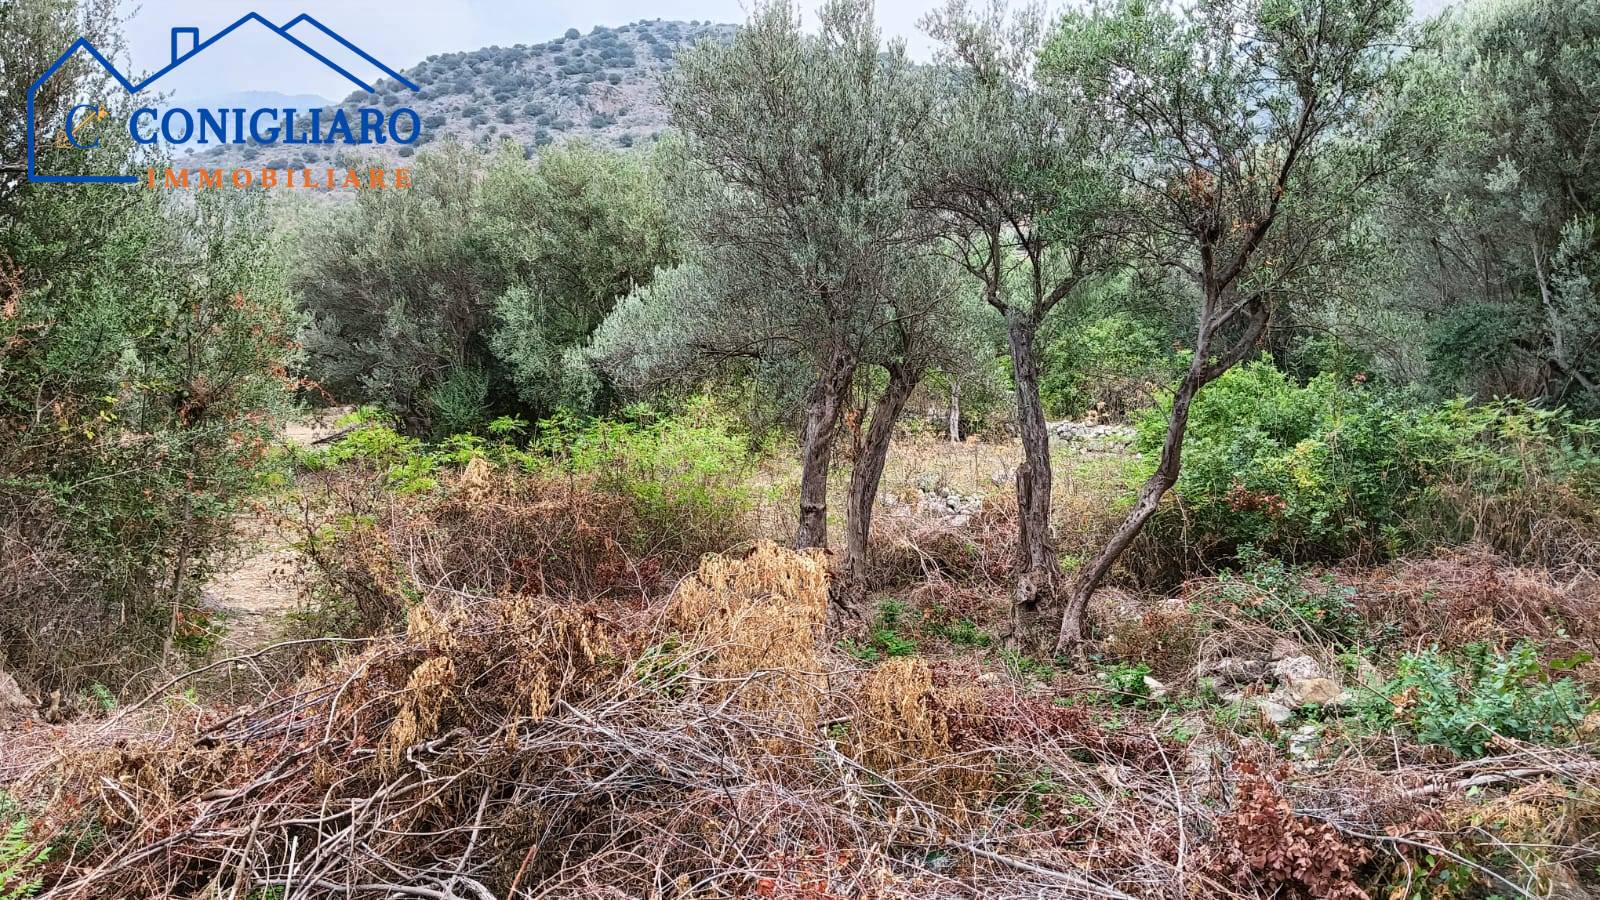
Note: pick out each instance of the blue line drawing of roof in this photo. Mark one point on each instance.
(132, 88)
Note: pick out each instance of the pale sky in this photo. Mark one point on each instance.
(401, 34)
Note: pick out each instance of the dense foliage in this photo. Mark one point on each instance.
(473, 293)
(1336, 467)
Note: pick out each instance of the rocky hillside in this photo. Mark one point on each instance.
(604, 85)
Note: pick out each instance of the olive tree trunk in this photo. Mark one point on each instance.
(865, 477)
(1037, 565)
(1203, 369)
(955, 410)
(824, 403)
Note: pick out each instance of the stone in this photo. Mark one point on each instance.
(1313, 692)
(1368, 676)
(1275, 712)
(1297, 668)
(1304, 740)
(1154, 688)
(1093, 435)
(1283, 648)
(13, 701)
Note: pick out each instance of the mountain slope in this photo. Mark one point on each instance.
(604, 86)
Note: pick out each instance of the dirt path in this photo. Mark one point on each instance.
(255, 595)
(256, 592)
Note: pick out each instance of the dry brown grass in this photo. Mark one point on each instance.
(544, 727)
(903, 731)
(763, 615)
(1472, 594)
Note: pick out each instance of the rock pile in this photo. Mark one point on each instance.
(938, 500)
(1093, 438)
(1298, 680)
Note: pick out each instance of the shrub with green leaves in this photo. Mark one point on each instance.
(1335, 467)
(1112, 364)
(1462, 702)
(146, 361)
(1291, 600)
(20, 860)
(1127, 682)
(688, 473)
(885, 638)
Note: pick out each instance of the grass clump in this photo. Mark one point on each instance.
(885, 639)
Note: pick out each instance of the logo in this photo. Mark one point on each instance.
(203, 128)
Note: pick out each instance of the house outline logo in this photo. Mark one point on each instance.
(179, 59)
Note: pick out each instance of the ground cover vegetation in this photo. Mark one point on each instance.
(1141, 452)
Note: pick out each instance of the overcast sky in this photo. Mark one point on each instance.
(401, 34)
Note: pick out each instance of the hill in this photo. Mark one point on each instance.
(604, 86)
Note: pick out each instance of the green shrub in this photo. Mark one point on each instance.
(1127, 681)
(1113, 363)
(1463, 702)
(885, 638)
(1336, 467)
(687, 474)
(459, 401)
(146, 352)
(1289, 600)
(19, 862)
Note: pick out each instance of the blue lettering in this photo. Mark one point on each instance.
(72, 115)
(291, 134)
(372, 122)
(263, 137)
(341, 125)
(416, 126)
(184, 118)
(209, 121)
(133, 125)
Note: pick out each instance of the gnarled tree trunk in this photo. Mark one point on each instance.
(824, 403)
(1150, 494)
(1202, 371)
(1037, 565)
(865, 477)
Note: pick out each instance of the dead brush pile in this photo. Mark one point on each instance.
(1474, 594)
(710, 745)
(486, 530)
(518, 746)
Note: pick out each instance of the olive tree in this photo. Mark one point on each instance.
(477, 288)
(1020, 180)
(1498, 231)
(1245, 124)
(794, 186)
(923, 325)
